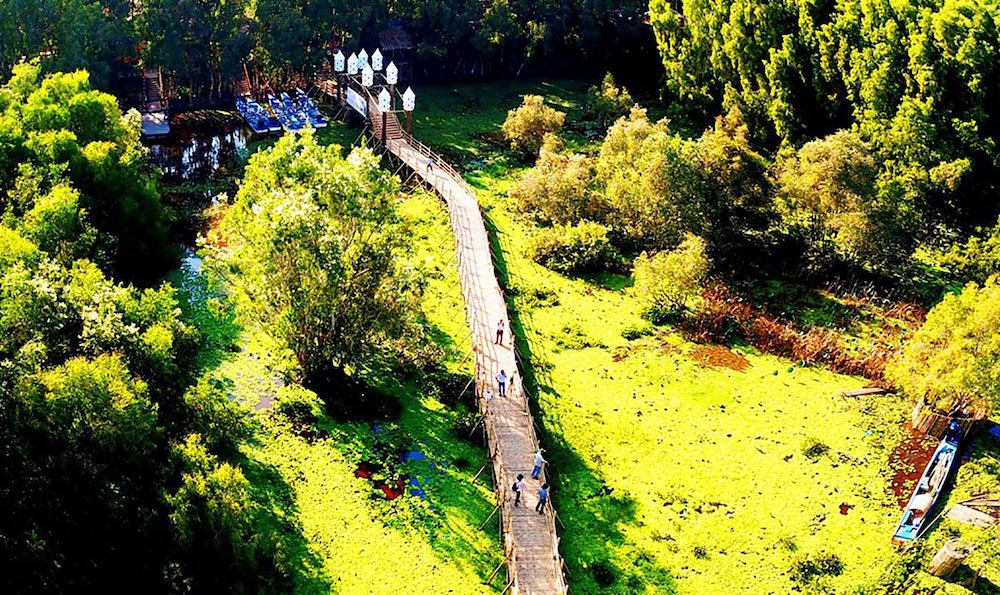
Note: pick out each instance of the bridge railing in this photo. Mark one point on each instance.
(483, 377)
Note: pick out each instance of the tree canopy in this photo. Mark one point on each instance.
(313, 241)
(72, 175)
(954, 359)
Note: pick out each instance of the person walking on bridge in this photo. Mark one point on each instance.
(539, 461)
(518, 489)
(499, 340)
(543, 498)
(502, 383)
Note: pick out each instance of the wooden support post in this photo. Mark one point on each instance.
(483, 468)
(497, 569)
(476, 426)
(409, 123)
(495, 509)
(384, 115)
(949, 558)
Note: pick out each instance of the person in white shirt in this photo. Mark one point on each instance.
(539, 461)
(502, 383)
(499, 340)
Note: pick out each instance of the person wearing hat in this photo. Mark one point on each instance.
(539, 461)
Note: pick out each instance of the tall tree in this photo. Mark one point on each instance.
(313, 244)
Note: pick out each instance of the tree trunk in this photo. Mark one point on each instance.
(949, 558)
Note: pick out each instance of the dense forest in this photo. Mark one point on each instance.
(202, 46)
(881, 117)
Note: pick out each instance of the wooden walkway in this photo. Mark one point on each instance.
(531, 545)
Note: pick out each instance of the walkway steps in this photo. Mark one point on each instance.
(530, 541)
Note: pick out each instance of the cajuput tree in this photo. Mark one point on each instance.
(953, 361)
(313, 253)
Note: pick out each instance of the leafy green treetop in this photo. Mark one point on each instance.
(313, 245)
(954, 359)
(527, 125)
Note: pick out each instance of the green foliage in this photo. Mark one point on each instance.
(667, 282)
(808, 567)
(906, 79)
(525, 127)
(659, 185)
(211, 522)
(829, 186)
(312, 252)
(72, 176)
(58, 226)
(954, 359)
(559, 189)
(607, 103)
(580, 248)
(976, 259)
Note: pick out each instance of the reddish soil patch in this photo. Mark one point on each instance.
(844, 507)
(391, 489)
(715, 356)
(908, 461)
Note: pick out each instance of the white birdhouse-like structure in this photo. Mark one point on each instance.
(367, 76)
(362, 58)
(384, 100)
(391, 73)
(338, 61)
(409, 100)
(352, 64)
(377, 60)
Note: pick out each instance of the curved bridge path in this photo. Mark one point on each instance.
(531, 546)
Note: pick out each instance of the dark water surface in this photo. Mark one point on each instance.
(199, 143)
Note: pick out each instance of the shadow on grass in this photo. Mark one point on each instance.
(283, 533)
(599, 559)
(609, 281)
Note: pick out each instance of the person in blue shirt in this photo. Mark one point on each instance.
(543, 497)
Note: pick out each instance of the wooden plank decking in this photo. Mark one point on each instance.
(530, 542)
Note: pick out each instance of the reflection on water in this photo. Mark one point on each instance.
(192, 154)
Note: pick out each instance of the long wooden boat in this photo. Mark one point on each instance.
(929, 487)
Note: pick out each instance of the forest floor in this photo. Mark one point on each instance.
(680, 466)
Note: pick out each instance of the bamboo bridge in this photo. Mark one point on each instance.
(531, 545)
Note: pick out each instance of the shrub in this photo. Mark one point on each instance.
(805, 568)
(667, 282)
(450, 388)
(607, 103)
(633, 332)
(953, 360)
(813, 448)
(526, 126)
(578, 248)
(558, 190)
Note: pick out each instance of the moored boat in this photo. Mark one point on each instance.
(929, 487)
(307, 105)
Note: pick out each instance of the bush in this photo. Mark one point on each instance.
(814, 448)
(806, 568)
(952, 361)
(633, 332)
(450, 388)
(667, 282)
(607, 103)
(526, 126)
(578, 248)
(559, 189)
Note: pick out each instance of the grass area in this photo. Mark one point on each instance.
(338, 532)
(680, 467)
